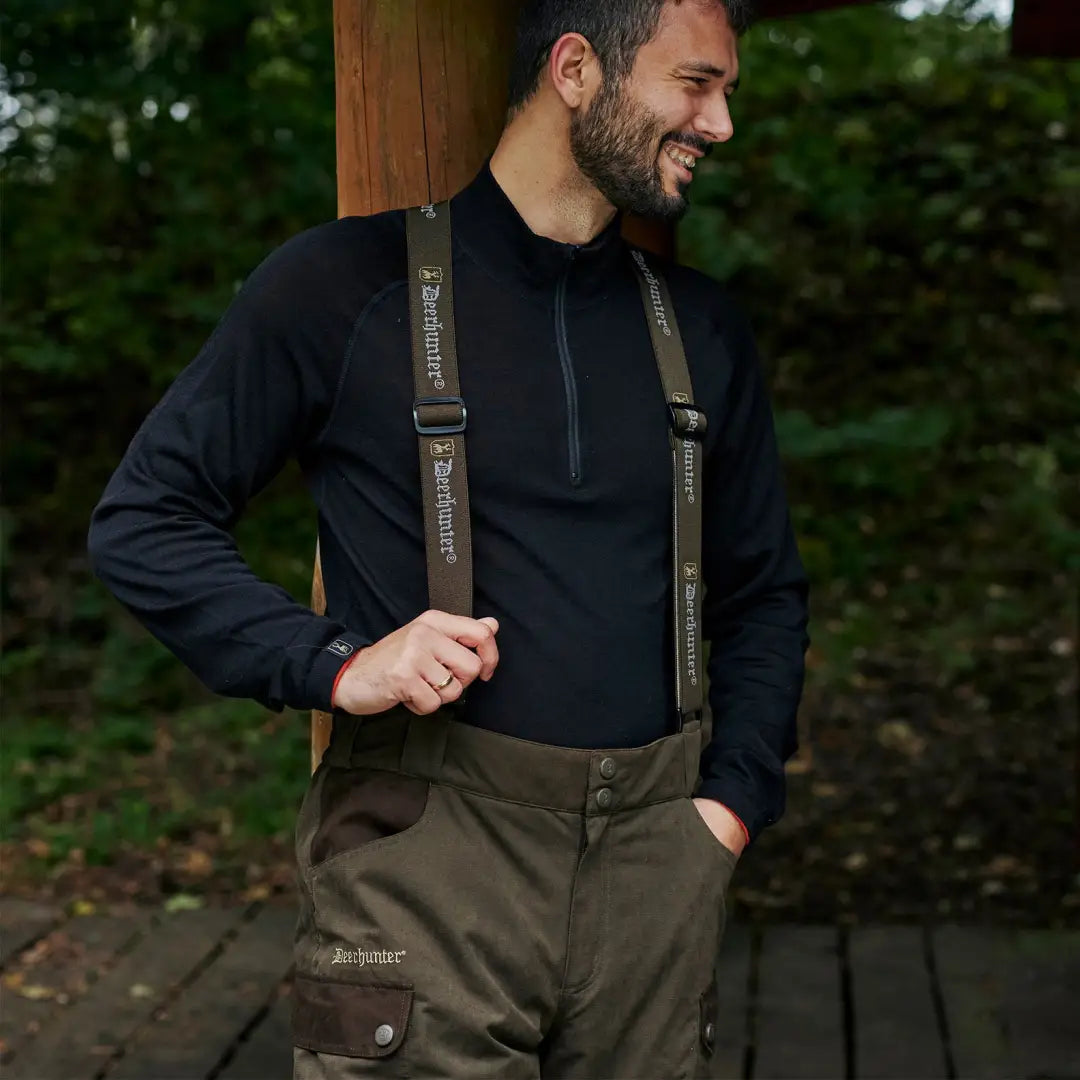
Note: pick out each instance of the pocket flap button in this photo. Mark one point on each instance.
(384, 1035)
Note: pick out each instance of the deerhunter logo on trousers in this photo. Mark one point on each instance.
(444, 504)
(654, 294)
(690, 573)
(361, 957)
(433, 327)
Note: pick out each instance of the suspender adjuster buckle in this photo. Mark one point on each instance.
(439, 415)
(687, 419)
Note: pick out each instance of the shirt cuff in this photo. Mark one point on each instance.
(343, 669)
(328, 665)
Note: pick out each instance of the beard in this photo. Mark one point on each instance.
(616, 144)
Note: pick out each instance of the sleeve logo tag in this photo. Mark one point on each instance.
(342, 648)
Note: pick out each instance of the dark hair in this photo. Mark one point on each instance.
(616, 29)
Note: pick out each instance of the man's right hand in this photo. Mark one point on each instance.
(405, 666)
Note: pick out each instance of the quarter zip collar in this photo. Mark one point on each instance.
(489, 226)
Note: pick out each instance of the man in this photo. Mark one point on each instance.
(515, 881)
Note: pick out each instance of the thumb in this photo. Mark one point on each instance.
(491, 621)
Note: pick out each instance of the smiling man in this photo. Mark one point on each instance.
(526, 880)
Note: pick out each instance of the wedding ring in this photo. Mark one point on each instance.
(445, 683)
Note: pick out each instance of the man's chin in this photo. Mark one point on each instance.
(672, 209)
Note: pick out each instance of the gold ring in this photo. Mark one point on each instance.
(445, 683)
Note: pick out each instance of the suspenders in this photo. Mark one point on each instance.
(439, 415)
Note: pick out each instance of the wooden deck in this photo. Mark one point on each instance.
(201, 995)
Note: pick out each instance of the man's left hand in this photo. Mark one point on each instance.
(724, 824)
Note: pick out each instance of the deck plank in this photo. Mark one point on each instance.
(22, 922)
(1010, 1000)
(267, 1053)
(1045, 1003)
(58, 970)
(896, 1029)
(85, 1035)
(733, 981)
(191, 1038)
(799, 1007)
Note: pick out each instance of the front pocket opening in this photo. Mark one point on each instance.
(719, 847)
(358, 805)
(330, 1016)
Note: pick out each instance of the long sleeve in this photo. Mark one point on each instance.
(755, 612)
(259, 390)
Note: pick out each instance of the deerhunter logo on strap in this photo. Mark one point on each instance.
(443, 449)
(429, 295)
(428, 210)
(430, 273)
(444, 506)
(654, 293)
(690, 572)
(692, 418)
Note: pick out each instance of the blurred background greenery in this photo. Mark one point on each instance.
(899, 212)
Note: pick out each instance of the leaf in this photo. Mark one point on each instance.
(183, 902)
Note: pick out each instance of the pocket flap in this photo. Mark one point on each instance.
(334, 1017)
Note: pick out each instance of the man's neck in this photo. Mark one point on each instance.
(546, 186)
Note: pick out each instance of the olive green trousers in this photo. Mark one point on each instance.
(477, 906)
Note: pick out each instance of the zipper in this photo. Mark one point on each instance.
(573, 436)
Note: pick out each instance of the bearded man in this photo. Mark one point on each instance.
(533, 873)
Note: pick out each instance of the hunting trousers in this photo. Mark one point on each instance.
(477, 906)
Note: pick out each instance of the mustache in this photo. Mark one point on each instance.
(691, 140)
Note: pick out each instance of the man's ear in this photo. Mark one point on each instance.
(574, 69)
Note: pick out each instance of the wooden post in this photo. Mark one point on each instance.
(421, 100)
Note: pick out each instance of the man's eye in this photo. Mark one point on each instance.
(697, 81)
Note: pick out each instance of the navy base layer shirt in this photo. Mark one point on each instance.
(570, 490)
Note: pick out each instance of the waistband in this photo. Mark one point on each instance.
(462, 755)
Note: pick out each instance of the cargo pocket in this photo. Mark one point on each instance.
(360, 806)
(334, 1017)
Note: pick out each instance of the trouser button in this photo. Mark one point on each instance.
(384, 1035)
(607, 768)
(603, 798)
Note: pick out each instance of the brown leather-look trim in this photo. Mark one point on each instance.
(358, 805)
(330, 1016)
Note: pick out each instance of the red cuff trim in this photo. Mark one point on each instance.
(341, 671)
(746, 831)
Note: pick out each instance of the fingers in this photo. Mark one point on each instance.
(476, 633)
(463, 663)
(423, 698)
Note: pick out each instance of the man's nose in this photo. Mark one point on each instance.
(714, 121)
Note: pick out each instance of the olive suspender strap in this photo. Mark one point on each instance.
(685, 433)
(439, 413)
(440, 418)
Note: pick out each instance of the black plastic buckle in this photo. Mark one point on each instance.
(439, 429)
(685, 424)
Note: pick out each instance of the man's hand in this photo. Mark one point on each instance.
(406, 666)
(724, 824)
